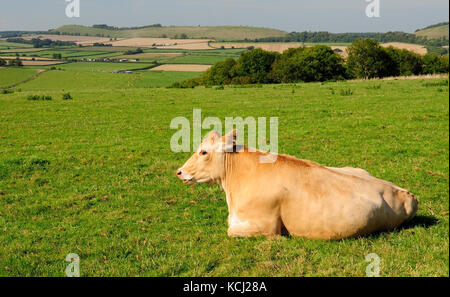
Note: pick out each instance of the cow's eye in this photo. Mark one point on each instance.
(203, 153)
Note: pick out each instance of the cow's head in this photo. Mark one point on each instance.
(206, 165)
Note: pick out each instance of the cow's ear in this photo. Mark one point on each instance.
(230, 140)
(213, 136)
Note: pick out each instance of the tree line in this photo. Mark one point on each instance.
(325, 36)
(366, 59)
(12, 62)
(38, 43)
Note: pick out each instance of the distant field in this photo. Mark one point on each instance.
(9, 76)
(165, 43)
(181, 67)
(170, 55)
(418, 49)
(194, 59)
(282, 46)
(11, 45)
(41, 63)
(75, 78)
(208, 32)
(151, 56)
(435, 32)
(78, 39)
(103, 66)
(21, 58)
(268, 46)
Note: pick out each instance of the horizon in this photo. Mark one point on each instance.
(347, 16)
(162, 25)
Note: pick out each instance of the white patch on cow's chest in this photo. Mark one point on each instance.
(234, 221)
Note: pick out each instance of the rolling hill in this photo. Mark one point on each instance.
(212, 32)
(434, 31)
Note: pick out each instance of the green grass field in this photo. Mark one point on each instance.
(102, 66)
(11, 45)
(10, 76)
(161, 56)
(95, 176)
(87, 80)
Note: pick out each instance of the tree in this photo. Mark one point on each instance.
(433, 63)
(406, 62)
(367, 59)
(2, 62)
(318, 63)
(15, 62)
(219, 73)
(256, 64)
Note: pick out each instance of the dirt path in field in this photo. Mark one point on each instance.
(26, 80)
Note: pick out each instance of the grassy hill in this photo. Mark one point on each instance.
(213, 32)
(434, 31)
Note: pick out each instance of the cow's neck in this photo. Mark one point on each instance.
(233, 164)
(229, 165)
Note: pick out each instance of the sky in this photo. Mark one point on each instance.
(289, 15)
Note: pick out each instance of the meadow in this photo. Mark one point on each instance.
(95, 175)
(9, 76)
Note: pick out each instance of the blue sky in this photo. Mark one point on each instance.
(289, 15)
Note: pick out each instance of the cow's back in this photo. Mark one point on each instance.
(334, 203)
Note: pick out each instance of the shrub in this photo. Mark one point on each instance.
(15, 62)
(318, 63)
(37, 97)
(346, 92)
(406, 62)
(367, 59)
(67, 96)
(6, 91)
(436, 84)
(256, 64)
(219, 73)
(433, 63)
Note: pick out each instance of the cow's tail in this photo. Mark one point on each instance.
(410, 203)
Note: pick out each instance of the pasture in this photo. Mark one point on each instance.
(95, 175)
(9, 76)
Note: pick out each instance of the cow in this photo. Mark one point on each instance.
(294, 196)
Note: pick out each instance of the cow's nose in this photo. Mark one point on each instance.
(179, 173)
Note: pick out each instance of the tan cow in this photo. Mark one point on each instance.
(300, 196)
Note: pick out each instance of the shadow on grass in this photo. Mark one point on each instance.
(418, 221)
